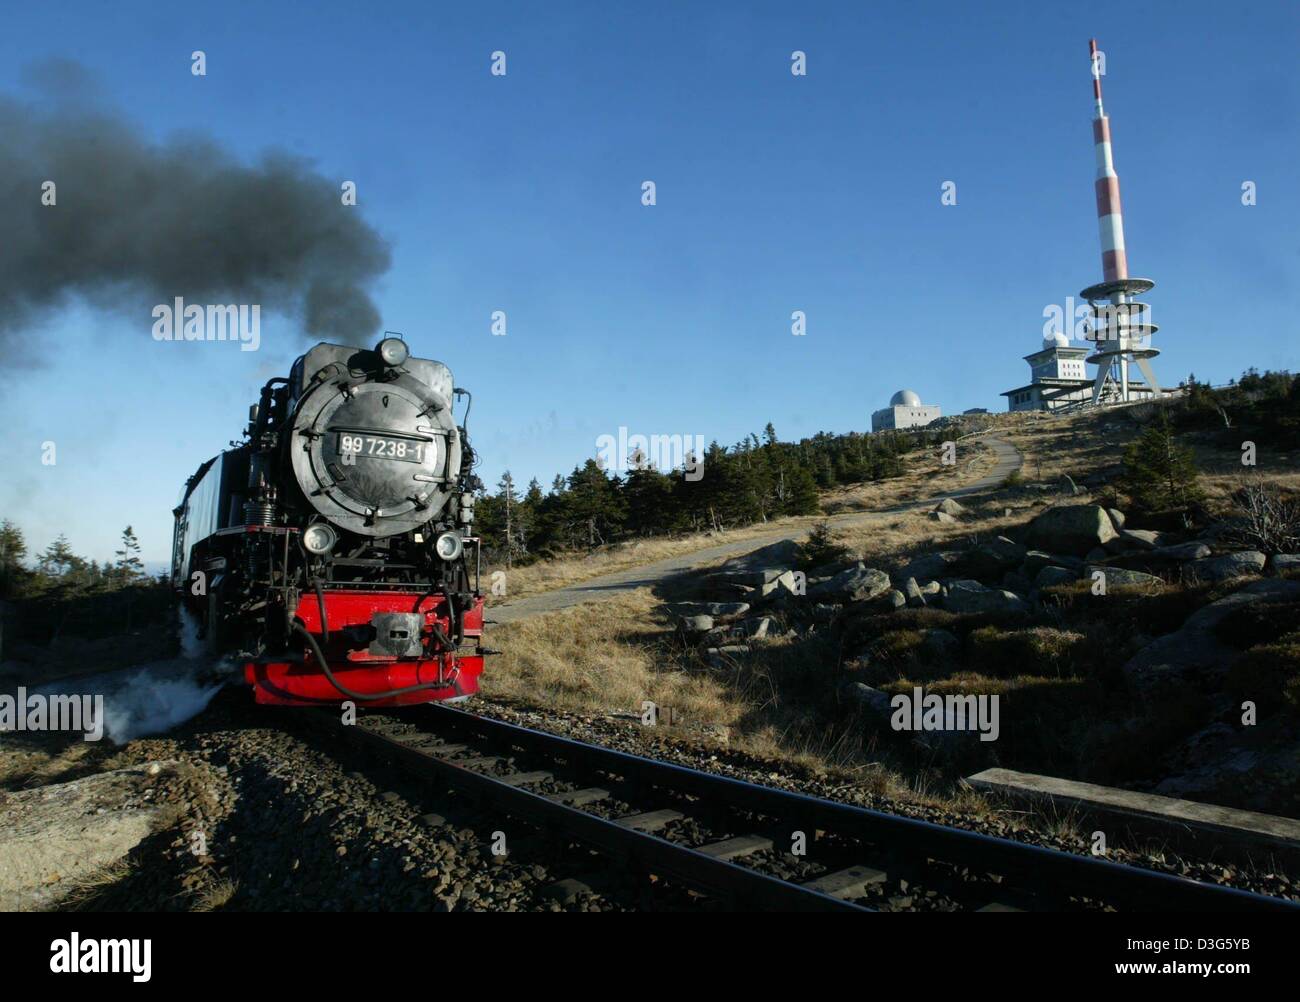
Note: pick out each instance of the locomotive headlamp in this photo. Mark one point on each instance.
(393, 351)
(449, 545)
(318, 539)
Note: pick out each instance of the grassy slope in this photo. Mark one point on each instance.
(606, 658)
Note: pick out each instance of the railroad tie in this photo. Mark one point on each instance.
(650, 821)
(579, 798)
(444, 751)
(733, 848)
(850, 883)
(526, 778)
(481, 762)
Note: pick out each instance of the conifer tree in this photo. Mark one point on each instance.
(1160, 474)
(13, 549)
(128, 566)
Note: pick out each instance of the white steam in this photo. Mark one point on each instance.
(155, 697)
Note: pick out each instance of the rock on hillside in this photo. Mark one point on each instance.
(1075, 529)
(1194, 648)
(53, 836)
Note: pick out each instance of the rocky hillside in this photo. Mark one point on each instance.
(1159, 659)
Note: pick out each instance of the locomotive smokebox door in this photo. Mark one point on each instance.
(397, 633)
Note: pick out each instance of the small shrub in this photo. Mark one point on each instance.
(1266, 519)
(1258, 623)
(1268, 675)
(1132, 749)
(1160, 474)
(821, 547)
(1039, 650)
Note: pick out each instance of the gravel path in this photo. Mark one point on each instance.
(1008, 459)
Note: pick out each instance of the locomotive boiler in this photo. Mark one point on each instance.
(332, 550)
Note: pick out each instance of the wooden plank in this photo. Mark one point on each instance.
(1206, 826)
(482, 762)
(850, 883)
(732, 848)
(650, 821)
(526, 778)
(579, 798)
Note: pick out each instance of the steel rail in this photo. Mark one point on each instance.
(1038, 869)
(722, 878)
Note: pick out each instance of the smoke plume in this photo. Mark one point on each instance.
(137, 222)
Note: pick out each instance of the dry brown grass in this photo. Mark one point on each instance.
(84, 891)
(925, 476)
(1084, 442)
(216, 896)
(601, 659)
(606, 664)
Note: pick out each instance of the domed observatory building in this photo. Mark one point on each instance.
(1058, 378)
(905, 410)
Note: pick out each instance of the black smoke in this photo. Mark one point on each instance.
(139, 222)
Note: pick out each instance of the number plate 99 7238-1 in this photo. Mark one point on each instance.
(382, 447)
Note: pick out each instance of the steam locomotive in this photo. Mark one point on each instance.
(332, 550)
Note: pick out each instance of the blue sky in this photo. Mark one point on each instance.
(775, 193)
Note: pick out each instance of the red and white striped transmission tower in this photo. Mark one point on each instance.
(1120, 324)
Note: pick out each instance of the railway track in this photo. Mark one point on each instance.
(749, 846)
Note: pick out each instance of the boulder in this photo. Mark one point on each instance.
(1067, 485)
(949, 507)
(1195, 550)
(783, 554)
(1052, 575)
(755, 627)
(834, 567)
(716, 609)
(1036, 560)
(1281, 563)
(750, 579)
(1194, 649)
(752, 584)
(695, 624)
(931, 566)
(857, 584)
(1017, 582)
(1116, 517)
(873, 699)
(991, 559)
(784, 585)
(1116, 576)
(915, 597)
(940, 645)
(1230, 565)
(942, 517)
(1145, 539)
(971, 596)
(56, 838)
(1074, 529)
(892, 599)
